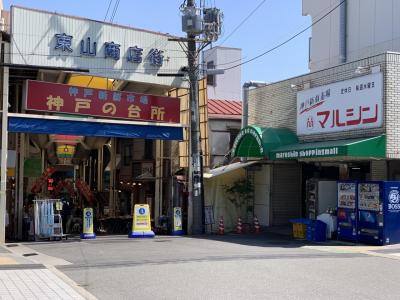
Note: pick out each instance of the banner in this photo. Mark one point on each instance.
(347, 105)
(87, 230)
(68, 99)
(141, 226)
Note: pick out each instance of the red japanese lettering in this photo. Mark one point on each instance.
(326, 116)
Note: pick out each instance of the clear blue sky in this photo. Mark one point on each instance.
(274, 21)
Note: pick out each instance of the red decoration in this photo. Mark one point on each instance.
(37, 186)
(85, 190)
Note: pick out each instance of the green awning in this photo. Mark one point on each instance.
(253, 141)
(374, 147)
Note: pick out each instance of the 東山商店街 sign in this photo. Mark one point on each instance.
(62, 98)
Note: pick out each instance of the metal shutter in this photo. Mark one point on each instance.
(286, 193)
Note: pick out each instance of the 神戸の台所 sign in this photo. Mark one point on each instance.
(347, 105)
(62, 98)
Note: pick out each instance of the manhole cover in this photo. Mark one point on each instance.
(12, 245)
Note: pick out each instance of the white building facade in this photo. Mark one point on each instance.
(225, 86)
(356, 30)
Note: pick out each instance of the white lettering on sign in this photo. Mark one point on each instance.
(394, 200)
(333, 151)
(348, 105)
(251, 131)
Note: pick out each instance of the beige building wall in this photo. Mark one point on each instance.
(262, 194)
(275, 104)
(215, 196)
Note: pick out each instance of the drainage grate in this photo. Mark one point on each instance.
(29, 254)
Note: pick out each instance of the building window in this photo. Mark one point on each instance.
(148, 149)
(309, 49)
(233, 132)
(210, 78)
(127, 155)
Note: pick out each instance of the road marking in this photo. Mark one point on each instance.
(367, 250)
(7, 261)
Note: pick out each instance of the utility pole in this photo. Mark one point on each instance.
(207, 24)
(196, 197)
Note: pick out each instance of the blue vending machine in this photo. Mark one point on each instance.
(379, 212)
(347, 211)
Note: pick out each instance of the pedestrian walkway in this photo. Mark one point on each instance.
(25, 278)
(34, 284)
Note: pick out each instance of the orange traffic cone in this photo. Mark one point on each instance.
(256, 225)
(221, 229)
(239, 226)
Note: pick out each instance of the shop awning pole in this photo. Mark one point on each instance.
(4, 147)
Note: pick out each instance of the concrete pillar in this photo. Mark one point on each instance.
(4, 148)
(158, 185)
(113, 155)
(100, 173)
(22, 137)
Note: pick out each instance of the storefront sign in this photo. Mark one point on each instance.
(49, 39)
(63, 43)
(88, 220)
(347, 105)
(248, 131)
(88, 232)
(177, 221)
(62, 98)
(309, 153)
(141, 226)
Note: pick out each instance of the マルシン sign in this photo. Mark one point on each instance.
(341, 106)
(309, 153)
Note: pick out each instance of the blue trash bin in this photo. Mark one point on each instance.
(316, 231)
(320, 231)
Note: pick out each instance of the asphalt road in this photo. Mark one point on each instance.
(230, 267)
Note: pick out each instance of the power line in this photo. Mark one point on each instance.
(288, 40)
(108, 9)
(236, 29)
(320, 13)
(243, 21)
(114, 11)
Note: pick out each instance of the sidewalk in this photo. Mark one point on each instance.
(22, 276)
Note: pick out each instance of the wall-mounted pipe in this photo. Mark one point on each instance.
(343, 32)
(245, 101)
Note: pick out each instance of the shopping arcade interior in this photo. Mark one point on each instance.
(119, 171)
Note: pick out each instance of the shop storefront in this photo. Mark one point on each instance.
(89, 118)
(344, 125)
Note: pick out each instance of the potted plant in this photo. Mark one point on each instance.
(240, 193)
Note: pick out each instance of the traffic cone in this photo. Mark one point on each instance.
(239, 226)
(256, 225)
(221, 229)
